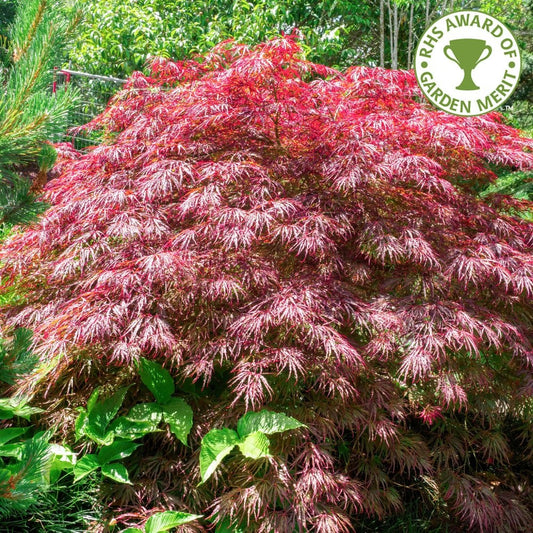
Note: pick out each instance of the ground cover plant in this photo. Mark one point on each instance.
(285, 238)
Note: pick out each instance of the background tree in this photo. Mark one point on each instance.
(336, 33)
(117, 36)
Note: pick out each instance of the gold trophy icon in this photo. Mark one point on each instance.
(467, 53)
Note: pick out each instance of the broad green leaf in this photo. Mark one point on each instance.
(103, 412)
(93, 398)
(160, 522)
(255, 445)
(8, 434)
(102, 438)
(12, 450)
(62, 454)
(157, 379)
(132, 530)
(116, 472)
(215, 446)
(266, 422)
(10, 407)
(43, 436)
(61, 458)
(145, 412)
(178, 415)
(87, 464)
(80, 424)
(118, 450)
(122, 427)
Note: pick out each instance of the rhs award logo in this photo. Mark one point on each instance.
(467, 63)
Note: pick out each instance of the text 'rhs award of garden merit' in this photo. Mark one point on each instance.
(467, 63)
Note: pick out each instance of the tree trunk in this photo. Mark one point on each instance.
(410, 42)
(382, 33)
(394, 62)
(391, 34)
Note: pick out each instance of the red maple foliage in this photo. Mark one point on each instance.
(292, 237)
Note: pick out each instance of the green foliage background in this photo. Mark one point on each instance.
(117, 35)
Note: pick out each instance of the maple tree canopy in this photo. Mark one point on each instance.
(312, 241)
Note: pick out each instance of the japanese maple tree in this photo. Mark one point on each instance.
(283, 236)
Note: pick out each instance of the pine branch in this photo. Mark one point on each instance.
(16, 356)
(18, 205)
(23, 40)
(29, 115)
(25, 481)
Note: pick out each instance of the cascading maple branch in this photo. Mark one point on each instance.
(290, 237)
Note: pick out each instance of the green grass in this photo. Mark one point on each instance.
(66, 508)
